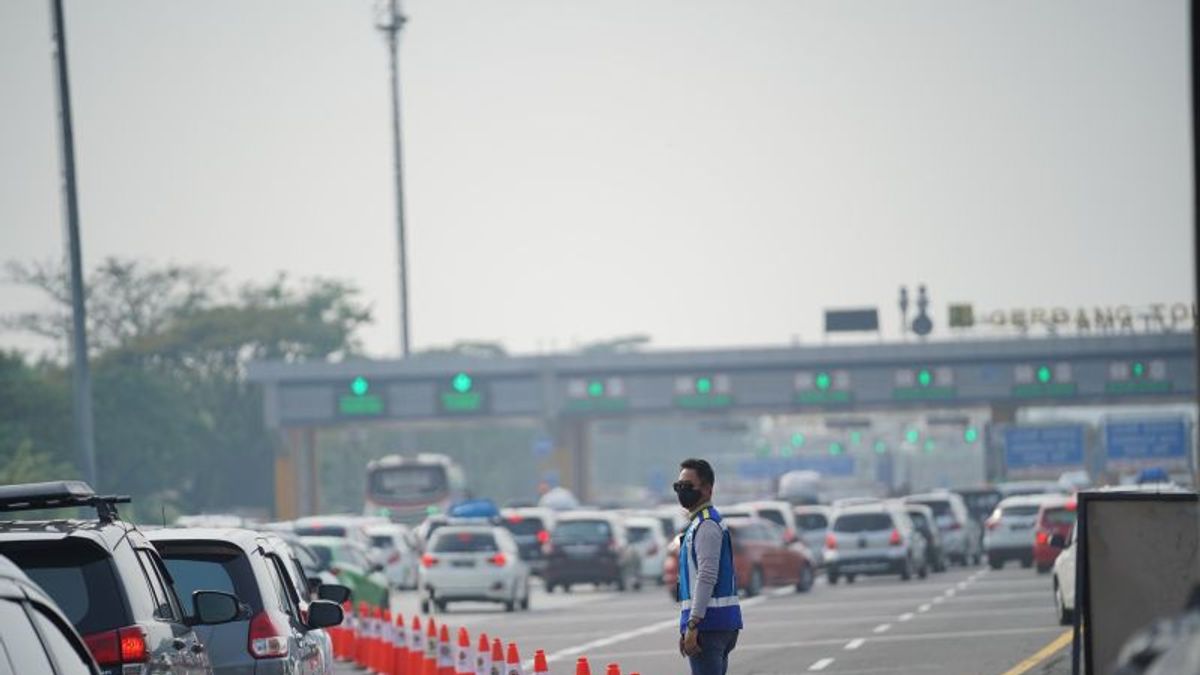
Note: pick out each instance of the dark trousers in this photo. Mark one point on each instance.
(713, 658)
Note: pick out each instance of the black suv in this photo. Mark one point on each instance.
(109, 581)
(35, 637)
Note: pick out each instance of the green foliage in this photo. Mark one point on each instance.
(176, 425)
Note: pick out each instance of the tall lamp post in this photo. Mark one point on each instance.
(391, 26)
(80, 373)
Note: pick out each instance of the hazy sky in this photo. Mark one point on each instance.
(711, 173)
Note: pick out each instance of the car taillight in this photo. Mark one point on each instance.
(428, 560)
(498, 560)
(830, 541)
(954, 526)
(992, 523)
(653, 550)
(267, 638)
(895, 540)
(1043, 538)
(543, 537)
(114, 647)
(394, 558)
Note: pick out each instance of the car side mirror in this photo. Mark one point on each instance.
(1058, 541)
(214, 607)
(335, 593)
(323, 614)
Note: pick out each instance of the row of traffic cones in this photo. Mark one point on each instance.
(376, 641)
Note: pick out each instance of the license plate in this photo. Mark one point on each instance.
(580, 551)
(463, 563)
(1020, 527)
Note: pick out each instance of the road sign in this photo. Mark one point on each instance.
(1043, 448)
(1137, 443)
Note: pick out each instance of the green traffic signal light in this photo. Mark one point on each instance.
(855, 437)
(823, 381)
(1044, 374)
(912, 435)
(703, 385)
(929, 445)
(360, 386)
(595, 388)
(1138, 369)
(970, 434)
(924, 377)
(797, 440)
(462, 383)
(880, 447)
(835, 448)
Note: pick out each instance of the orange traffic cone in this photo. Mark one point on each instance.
(445, 660)
(416, 648)
(582, 667)
(539, 663)
(376, 638)
(431, 648)
(360, 628)
(462, 655)
(513, 665)
(613, 669)
(497, 657)
(483, 656)
(385, 641)
(400, 647)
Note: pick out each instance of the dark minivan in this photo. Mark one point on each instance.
(590, 547)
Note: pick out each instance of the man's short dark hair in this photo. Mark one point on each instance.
(702, 468)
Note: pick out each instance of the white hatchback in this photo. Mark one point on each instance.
(1009, 532)
(473, 563)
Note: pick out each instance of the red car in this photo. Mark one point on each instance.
(760, 558)
(1054, 517)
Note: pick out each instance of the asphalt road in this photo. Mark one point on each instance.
(962, 622)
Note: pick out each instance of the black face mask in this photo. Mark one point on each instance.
(688, 495)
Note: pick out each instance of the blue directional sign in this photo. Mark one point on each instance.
(839, 465)
(1146, 441)
(1036, 447)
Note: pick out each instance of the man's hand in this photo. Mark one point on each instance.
(691, 642)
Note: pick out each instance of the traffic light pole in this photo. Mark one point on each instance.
(392, 29)
(80, 372)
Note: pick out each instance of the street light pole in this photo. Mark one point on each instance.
(391, 29)
(80, 373)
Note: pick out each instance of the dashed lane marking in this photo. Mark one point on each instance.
(939, 599)
(883, 628)
(854, 644)
(821, 665)
(924, 608)
(907, 616)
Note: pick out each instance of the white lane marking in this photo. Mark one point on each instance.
(962, 587)
(907, 616)
(854, 644)
(939, 600)
(924, 608)
(780, 592)
(883, 628)
(628, 635)
(821, 665)
(951, 593)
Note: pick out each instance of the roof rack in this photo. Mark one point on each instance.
(59, 494)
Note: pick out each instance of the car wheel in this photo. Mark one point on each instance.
(850, 578)
(1026, 563)
(977, 560)
(995, 564)
(566, 588)
(620, 584)
(924, 571)
(833, 577)
(1043, 569)
(510, 605)
(756, 582)
(1065, 616)
(525, 600)
(549, 587)
(425, 606)
(805, 583)
(907, 571)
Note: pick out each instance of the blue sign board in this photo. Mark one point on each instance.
(1057, 445)
(839, 465)
(1146, 441)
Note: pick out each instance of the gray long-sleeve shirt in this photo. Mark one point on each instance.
(707, 539)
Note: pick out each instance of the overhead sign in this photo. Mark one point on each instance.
(851, 320)
(1146, 442)
(1156, 317)
(1028, 449)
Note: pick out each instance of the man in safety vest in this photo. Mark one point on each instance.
(710, 617)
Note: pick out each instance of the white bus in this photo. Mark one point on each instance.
(407, 489)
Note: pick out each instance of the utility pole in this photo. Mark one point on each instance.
(80, 373)
(391, 28)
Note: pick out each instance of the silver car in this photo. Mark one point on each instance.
(813, 524)
(473, 563)
(960, 533)
(873, 539)
(278, 632)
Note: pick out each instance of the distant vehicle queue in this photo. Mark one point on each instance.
(218, 594)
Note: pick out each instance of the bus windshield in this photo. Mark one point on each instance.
(408, 483)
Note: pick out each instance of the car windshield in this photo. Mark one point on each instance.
(1059, 516)
(918, 520)
(210, 568)
(318, 530)
(940, 507)
(773, 515)
(383, 541)
(583, 530)
(79, 577)
(523, 526)
(638, 533)
(862, 522)
(464, 542)
(1021, 511)
(811, 521)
